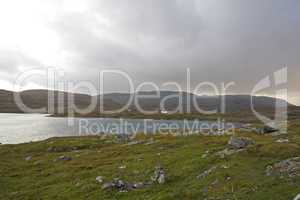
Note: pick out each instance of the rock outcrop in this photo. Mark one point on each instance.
(239, 142)
(289, 167)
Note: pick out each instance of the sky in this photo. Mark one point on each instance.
(219, 41)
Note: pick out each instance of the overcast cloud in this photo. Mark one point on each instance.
(153, 40)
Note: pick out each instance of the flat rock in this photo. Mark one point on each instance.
(122, 186)
(28, 158)
(289, 167)
(138, 185)
(282, 140)
(64, 158)
(266, 130)
(107, 186)
(239, 142)
(206, 172)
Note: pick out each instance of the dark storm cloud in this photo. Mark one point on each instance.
(220, 41)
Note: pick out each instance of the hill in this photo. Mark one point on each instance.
(238, 106)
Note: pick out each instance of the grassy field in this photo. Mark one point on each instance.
(238, 176)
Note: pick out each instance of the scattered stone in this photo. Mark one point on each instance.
(121, 185)
(64, 158)
(225, 166)
(239, 142)
(206, 173)
(99, 179)
(282, 140)
(269, 170)
(266, 130)
(161, 179)
(227, 178)
(28, 158)
(107, 186)
(122, 167)
(159, 175)
(122, 138)
(297, 197)
(289, 167)
(138, 185)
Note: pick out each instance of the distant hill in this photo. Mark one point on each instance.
(36, 99)
(112, 101)
(233, 103)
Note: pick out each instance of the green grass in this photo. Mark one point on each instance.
(43, 178)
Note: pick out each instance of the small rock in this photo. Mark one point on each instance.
(159, 175)
(107, 186)
(269, 129)
(122, 167)
(281, 140)
(99, 179)
(227, 178)
(269, 170)
(121, 138)
(138, 185)
(225, 166)
(239, 142)
(64, 158)
(266, 130)
(206, 173)
(161, 179)
(28, 158)
(122, 186)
